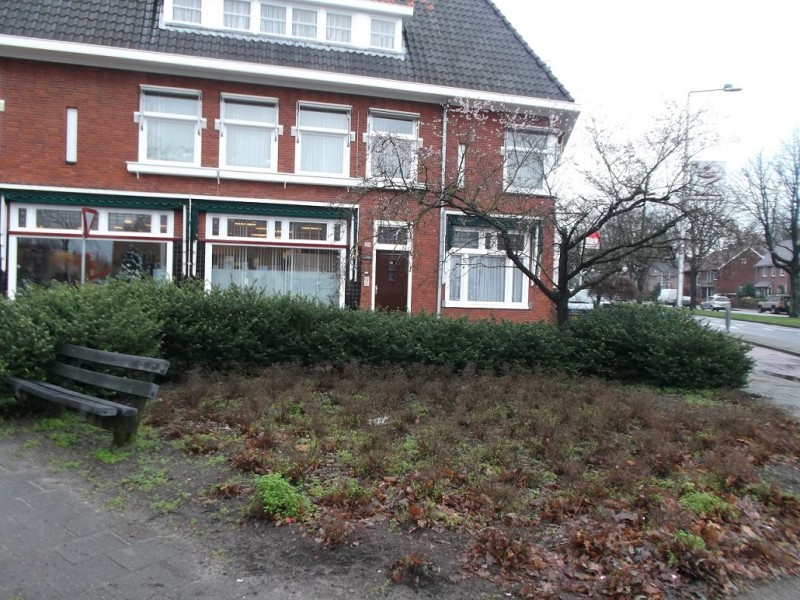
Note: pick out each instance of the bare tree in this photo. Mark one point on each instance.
(709, 218)
(514, 192)
(769, 191)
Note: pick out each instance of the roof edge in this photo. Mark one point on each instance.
(191, 66)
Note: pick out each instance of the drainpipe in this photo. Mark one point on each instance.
(442, 217)
(187, 226)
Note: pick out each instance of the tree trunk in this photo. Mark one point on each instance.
(794, 282)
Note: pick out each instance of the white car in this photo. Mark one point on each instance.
(580, 303)
(716, 303)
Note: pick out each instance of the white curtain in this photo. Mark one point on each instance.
(304, 23)
(339, 27)
(248, 147)
(273, 19)
(236, 14)
(486, 279)
(382, 34)
(170, 140)
(187, 11)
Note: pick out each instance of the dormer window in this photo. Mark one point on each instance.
(237, 14)
(383, 34)
(304, 23)
(187, 11)
(339, 28)
(354, 23)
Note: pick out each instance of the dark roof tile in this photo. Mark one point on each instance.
(465, 44)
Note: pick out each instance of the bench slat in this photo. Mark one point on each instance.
(144, 389)
(68, 398)
(116, 359)
(124, 410)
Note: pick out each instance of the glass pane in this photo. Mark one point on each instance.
(248, 147)
(383, 33)
(322, 153)
(392, 158)
(170, 140)
(323, 119)
(455, 277)
(339, 27)
(249, 111)
(306, 272)
(308, 231)
(391, 234)
(517, 242)
(304, 23)
(273, 19)
(50, 218)
(517, 286)
(164, 224)
(141, 223)
(247, 228)
(22, 218)
(166, 103)
(44, 260)
(486, 279)
(215, 226)
(393, 125)
(525, 169)
(278, 228)
(187, 11)
(236, 14)
(465, 239)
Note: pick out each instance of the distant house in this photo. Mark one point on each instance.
(726, 272)
(769, 278)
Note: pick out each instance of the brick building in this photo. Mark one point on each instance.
(226, 140)
(727, 272)
(769, 278)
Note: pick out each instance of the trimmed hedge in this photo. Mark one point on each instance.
(240, 329)
(658, 346)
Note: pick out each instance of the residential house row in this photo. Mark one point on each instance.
(239, 142)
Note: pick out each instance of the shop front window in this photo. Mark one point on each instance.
(43, 261)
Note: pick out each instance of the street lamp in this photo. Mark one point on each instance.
(725, 88)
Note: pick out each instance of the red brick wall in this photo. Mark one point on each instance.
(33, 137)
(736, 273)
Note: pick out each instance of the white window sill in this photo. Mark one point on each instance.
(140, 168)
(486, 305)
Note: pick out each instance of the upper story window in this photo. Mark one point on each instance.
(323, 140)
(170, 126)
(373, 25)
(249, 132)
(304, 23)
(393, 142)
(339, 28)
(527, 157)
(236, 14)
(383, 34)
(187, 11)
(109, 221)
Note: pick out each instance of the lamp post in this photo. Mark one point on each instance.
(725, 88)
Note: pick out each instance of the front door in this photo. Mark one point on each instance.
(391, 280)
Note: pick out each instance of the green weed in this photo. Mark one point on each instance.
(277, 498)
(111, 457)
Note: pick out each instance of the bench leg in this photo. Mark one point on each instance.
(122, 428)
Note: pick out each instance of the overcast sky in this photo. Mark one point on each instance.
(624, 60)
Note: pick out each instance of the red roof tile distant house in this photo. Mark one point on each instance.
(219, 139)
(726, 272)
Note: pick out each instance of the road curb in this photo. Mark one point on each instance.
(770, 347)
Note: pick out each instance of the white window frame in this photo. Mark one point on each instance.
(548, 157)
(273, 129)
(142, 116)
(486, 237)
(328, 15)
(372, 34)
(413, 139)
(345, 134)
(212, 17)
(226, 14)
(192, 9)
(295, 24)
(102, 232)
(284, 239)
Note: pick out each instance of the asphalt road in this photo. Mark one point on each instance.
(786, 339)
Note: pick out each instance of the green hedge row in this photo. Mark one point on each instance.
(240, 329)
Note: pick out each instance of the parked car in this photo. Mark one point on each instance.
(775, 303)
(580, 303)
(716, 303)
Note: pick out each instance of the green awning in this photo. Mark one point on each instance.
(93, 200)
(269, 210)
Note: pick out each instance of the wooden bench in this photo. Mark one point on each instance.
(86, 370)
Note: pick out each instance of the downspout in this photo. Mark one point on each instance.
(3, 237)
(442, 216)
(187, 227)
